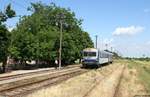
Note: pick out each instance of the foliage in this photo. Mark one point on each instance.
(4, 34)
(8, 13)
(4, 39)
(142, 59)
(37, 36)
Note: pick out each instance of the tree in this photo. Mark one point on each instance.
(5, 35)
(37, 35)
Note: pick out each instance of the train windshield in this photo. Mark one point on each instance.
(89, 54)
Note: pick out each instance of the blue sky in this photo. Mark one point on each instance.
(122, 24)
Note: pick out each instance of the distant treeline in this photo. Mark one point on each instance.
(36, 36)
(141, 59)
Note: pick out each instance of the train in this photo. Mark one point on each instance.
(96, 57)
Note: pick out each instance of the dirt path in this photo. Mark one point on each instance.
(107, 87)
(130, 84)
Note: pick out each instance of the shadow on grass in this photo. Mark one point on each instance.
(95, 66)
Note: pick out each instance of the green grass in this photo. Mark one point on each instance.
(145, 77)
(143, 68)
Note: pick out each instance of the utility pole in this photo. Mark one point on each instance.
(106, 46)
(61, 17)
(96, 41)
(60, 44)
(111, 49)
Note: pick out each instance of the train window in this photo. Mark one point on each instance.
(85, 53)
(89, 54)
(92, 54)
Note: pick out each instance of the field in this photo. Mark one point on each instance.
(74, 87)
(135, 81)
(122, 78)
(143, 68)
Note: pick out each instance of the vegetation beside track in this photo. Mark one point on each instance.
(37, 36)
(143, 69)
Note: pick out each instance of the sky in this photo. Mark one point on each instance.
(122, 24)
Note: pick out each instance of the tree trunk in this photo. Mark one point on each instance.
(4, 65)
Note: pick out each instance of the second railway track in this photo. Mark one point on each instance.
(31, 73)
(52, 80)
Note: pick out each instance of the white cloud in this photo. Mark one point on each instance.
(148, 43)
(131, 30)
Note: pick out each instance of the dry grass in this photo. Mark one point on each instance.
(78, 86)
(74, 87)
(107, 86)
(143, 69)
(130, 84)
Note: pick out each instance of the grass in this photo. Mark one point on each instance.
(120, 61)
(76, 86)
(143, 68)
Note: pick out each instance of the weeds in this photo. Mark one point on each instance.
(143, 71)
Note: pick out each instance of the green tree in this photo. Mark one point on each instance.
(37, 35)
(5, 35)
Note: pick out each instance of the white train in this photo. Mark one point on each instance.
(95, 57)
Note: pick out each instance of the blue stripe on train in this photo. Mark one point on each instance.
(89, 60)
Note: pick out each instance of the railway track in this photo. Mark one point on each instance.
(31, 73)
(52, 80)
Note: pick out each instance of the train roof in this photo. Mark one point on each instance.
(94, 49)
(90, 49)
(106, 52)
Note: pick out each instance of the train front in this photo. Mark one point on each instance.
(90, 57)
